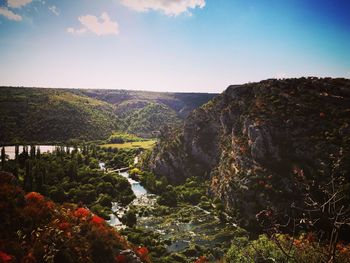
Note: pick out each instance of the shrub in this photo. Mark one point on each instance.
(129, 218)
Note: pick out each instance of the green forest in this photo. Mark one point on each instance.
(32, 115)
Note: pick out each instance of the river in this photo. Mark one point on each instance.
(182, 226)
(143, 198)
(10, 151)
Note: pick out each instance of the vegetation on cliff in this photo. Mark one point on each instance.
(280, 146)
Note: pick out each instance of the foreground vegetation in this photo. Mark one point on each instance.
(75, 176)
(34, 229)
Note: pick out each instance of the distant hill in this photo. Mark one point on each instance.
(147, 120)
(130, 100)
(55, 115)
(46, 115)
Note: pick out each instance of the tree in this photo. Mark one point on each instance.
(38, 175)
(129, 218)
(3, 158)
(16, 152)
(32, 151)
(72, 170)
(168, 198)
(38, 153)
(28, 178)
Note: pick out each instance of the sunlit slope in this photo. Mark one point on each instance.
(53, 115)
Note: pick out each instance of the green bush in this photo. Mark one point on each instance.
(129, 218)
(262, 250)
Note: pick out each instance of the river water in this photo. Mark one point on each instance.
(11, 152)
(184, 226)
(143, 198)
(136, 187)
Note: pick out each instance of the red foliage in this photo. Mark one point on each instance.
(64, 226)
(343, 249)
(97, 220)
(34, 197)
(5, 257)
(297, 243)
(142, 252)
(81, 212)
(10, 197)
(298, 172)
(261, 182)
(36, 208)
(29, 258)
(121, 259)
(310, 237)
(201, 259)
(50, 205)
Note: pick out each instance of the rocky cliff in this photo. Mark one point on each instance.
(253, 140)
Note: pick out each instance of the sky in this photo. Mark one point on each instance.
(170, 45)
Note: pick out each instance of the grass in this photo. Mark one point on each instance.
(144, 144)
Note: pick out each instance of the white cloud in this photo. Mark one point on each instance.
(18, 3)
(54, 10)
(9, 14)
(76, 31)
(100, 26)
(168, 7)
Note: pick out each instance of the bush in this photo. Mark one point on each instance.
(304, 248)
(101, 211)
(129, 218)
(168, 198)
(57, 194)
(258, 251)
(105, 200)
(34, 229)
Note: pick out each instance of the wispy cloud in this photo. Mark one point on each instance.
(168, 7)
(9, 14)
(18, 3)
(101, 26)
(54, 10)
(74, 31)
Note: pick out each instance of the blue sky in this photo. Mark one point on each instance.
(170, 45)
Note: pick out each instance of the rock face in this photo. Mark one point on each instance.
(254, 139)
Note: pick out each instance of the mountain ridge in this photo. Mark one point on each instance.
(253, 139)
(55, 115)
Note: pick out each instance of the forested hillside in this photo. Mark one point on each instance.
(46, 115)
(56, 115)
(145, 112)
(126, 100)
